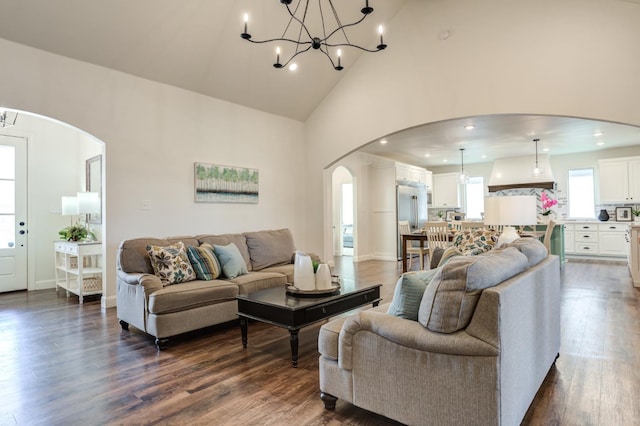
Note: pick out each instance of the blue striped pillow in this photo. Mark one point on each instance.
(204, 262)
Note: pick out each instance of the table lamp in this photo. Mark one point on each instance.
(509, 211)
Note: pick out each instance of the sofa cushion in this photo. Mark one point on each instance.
(450, 299)
(260, 280)
(535, 251)
(191, 295)
(222, 240)
(171, 263)
(286, 270)
(448, 254)
(408, 294)
(231, 260)
(204, 262)
(133, 256)
(268, 248)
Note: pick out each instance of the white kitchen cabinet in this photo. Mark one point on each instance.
(612, 240)
(569, 239)
(413, 174)
(596, 239)
(619, 180)
(446, 190)
(78, 268)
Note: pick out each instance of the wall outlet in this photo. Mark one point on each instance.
(145, 205)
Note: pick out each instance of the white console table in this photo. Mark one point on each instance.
(79, 268)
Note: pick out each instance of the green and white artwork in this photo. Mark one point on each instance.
(215, 183)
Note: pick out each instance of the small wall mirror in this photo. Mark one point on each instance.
(94, 184)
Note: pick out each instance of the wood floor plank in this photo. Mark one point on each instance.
(64, 363)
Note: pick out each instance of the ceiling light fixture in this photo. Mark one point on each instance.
(383, 142)
(470, 127)
(463, 178)
(7, 118)
(305, 41)
(597, 133)
(537, 171)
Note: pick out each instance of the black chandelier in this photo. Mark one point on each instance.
(305, 41)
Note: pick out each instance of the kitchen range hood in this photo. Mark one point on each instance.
(516, 173)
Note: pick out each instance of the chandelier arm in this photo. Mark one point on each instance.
(296, 54)
(280, 39)
(351, 45)
(328, 56)
(290, 19)
(342, 27)
(304, 17)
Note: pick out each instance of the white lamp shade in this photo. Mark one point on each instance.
(510, 211)
(69, 206)
(88, 202)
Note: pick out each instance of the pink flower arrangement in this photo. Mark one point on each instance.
(547, 203)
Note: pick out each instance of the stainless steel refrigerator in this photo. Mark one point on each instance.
(411, 205)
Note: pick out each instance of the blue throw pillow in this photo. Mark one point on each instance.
(231, 260)
(408, 294)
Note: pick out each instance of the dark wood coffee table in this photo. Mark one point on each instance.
(277, 307)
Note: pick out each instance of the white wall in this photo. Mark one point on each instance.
(153, 134)
(574, 58)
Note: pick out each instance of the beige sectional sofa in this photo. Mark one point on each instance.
(486, 334)
(165, 311)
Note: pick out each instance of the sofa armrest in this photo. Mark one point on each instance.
(149, 282)
(405, 333)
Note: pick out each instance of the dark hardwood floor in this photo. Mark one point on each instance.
(62, 363)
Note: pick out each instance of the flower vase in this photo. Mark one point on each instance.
(544, 219)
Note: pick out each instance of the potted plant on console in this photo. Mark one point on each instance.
(547, 203)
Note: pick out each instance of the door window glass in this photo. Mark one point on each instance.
(7, 196)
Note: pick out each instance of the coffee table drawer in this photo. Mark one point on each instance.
(335, 307)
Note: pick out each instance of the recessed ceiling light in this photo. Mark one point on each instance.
(600, 143)
(597, 133)
(470, 127)
(293, 67)
(484, 156)
(445, 161)
(545, 149)
(383, 142)
(427, 155)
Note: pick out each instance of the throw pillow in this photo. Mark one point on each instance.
(448, 253)
(408, 294)
(473, 242)
(450, 299)
(171, 263)
(231, 260)
(204, 262)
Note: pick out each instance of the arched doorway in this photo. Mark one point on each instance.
(56, 166)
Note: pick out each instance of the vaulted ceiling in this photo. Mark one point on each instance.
(196, 45)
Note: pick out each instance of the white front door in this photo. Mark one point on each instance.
(13, 213)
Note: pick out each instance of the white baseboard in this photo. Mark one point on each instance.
(108, 302)
(386, 257)
(44, 285)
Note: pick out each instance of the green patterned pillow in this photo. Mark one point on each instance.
(204, 262)
(472, 242)
(408, 294)
(171, 264)
(231, 260)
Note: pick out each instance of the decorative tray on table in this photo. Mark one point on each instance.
(335, 287)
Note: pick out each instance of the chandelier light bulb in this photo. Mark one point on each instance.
(380, 29)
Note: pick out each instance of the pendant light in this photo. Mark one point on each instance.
(463, 178)
(537, 171)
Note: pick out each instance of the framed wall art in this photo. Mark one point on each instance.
(623, 214)
(215, 183)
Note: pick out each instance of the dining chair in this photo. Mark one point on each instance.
(471, 225)
(547, 235)
(437, 234)
(405, 228)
